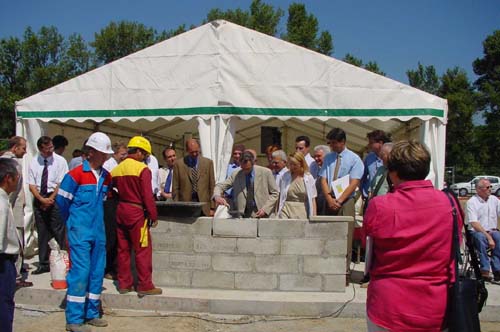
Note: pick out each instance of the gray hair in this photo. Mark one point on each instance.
(481, 181)
(279, 153)
(324, 148)
(8, 166)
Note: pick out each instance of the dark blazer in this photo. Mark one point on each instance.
(181, 183)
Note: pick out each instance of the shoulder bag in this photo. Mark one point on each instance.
(468, 294)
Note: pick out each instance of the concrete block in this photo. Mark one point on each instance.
(335, 247)
(258, 246)
(326, 230)
(235, 227)
(277, 264)
(324, 265)
(296, 282)
(234, 263)
(190, 262)
(281, 228)
(256, 281)
(172, 243)
(302, 246)
(175, 278)
(184, 226)
(208, 244)
(207, 279)
(334, 282)
(160, 260)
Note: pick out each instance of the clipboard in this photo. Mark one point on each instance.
(339, 185)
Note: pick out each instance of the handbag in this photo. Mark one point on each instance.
(468, 294)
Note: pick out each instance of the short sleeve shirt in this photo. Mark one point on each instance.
(350, 164)
(484, 212)
(57, 168)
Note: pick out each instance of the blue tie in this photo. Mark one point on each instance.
(168, 183)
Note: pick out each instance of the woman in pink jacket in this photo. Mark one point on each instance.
(411, 228)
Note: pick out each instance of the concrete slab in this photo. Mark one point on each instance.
(350, 304)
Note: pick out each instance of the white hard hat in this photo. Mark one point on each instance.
(100, 142)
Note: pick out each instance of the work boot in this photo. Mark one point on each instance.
(154, 291)
(78, 328)
(125, 290)
(98, 322)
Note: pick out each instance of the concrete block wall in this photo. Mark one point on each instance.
(251, 254)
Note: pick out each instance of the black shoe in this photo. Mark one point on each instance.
(496, 275)
(41, 269)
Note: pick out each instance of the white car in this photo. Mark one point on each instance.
(466, 188)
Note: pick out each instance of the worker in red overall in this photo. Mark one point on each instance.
(132, 179)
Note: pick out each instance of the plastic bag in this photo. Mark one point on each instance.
(59, 265)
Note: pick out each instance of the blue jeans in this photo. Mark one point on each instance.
(481, 244)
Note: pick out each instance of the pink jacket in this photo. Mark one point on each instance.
(412, 264)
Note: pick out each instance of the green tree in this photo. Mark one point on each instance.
(488, 85)
(119, 39)
(370, 66)
(261, 17)
(302, 29)
(40, 60)
(424, 78)
(461, 150)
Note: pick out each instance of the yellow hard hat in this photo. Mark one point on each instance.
(140, 142)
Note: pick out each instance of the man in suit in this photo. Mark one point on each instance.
(254, 189)
(194, 178)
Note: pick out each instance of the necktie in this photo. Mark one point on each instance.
(45, 178)
(194, 179)
(337, 166)
(168, 183)
(250, 204)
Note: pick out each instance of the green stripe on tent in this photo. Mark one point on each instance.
(231, 110)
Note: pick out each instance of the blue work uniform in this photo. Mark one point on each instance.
(80, 200)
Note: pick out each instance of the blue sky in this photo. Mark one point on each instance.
(397, 34)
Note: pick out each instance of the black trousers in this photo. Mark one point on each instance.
(7, 290)
(48, 225)
(110, 206)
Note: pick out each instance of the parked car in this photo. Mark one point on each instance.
(466, 188)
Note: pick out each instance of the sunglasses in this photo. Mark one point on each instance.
(487, 187)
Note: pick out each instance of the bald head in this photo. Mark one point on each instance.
(193, 148)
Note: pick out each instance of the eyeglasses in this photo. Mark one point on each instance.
(487, 187)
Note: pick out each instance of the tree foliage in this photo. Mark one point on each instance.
(424, 78)
(34, 63)
(488, 85)
(370, 66)
(302, 29)
(119, 39)
(461, 149)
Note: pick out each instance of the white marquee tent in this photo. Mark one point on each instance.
(222, 82)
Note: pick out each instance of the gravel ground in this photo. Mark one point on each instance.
(44, 319)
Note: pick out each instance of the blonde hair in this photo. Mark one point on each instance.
(300, 159)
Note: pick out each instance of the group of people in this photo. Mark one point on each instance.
(102, 209)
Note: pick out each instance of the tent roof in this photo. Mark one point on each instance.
(224, 69)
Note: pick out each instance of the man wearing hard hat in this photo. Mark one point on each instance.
(136, 212)
(80, 200)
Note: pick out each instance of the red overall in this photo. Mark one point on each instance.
(133, 181)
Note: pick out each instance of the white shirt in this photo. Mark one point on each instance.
(110, 164)
(278, 176)
(309, 159)
(9, 238)
(57, 166)
(484, 212)
(162, 175)
(75, 162)
(153, 165)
